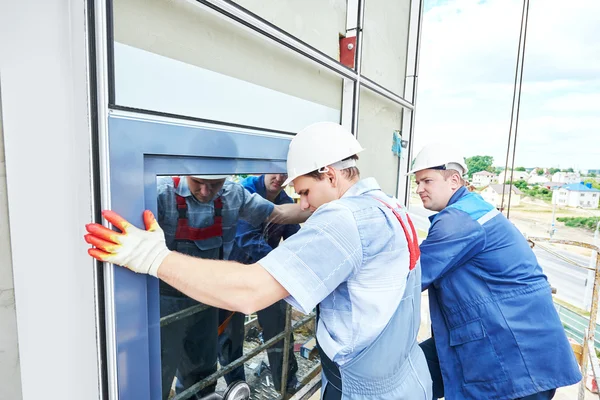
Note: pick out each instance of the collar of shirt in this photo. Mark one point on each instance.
(361, 187)
(455, 197)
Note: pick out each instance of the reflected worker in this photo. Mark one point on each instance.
(199, 215)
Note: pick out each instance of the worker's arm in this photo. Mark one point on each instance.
(453, 238)
(250, 243)
(288, 214)
(256, 210)
(222, 284)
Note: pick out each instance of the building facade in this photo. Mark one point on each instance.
(99, 97)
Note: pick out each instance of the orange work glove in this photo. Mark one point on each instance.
(141, 251)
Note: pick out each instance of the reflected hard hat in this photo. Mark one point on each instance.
(210, 177)
(439, 156)
(317, 146)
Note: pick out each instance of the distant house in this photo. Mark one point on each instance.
(493, 195)
(484, 178)
(566, 177)
(504, 176)
(538, 179)
(576, 195)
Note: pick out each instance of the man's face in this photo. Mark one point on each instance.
(435, 191)
(273, 182)
(313, 192)
(204, 190)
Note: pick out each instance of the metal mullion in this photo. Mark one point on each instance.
(240, 361)
(410, 88)
(244, 17)
(360, 17)
(377, 88)
(103, 89)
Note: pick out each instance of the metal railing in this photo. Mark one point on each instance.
(309, 388)
(589, 351)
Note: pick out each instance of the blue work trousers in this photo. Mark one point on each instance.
(272, 321)
(428, 347)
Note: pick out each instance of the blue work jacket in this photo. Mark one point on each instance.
(253, 243)
(496, 330)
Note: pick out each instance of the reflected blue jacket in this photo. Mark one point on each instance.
(253, 243)
(496, 330)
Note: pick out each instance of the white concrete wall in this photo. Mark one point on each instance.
(10, 371)
(43, 78)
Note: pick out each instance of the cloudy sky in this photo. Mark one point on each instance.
(467, 68)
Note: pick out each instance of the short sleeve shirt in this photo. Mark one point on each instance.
(238, 203)
(352, 258)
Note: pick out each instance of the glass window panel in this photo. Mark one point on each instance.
(378, 119)
(176, 57)
(315, 22)
(200, 216)
(385, 42)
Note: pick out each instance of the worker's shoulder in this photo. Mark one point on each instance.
(470, 205)
(165, 185)
(360, 207)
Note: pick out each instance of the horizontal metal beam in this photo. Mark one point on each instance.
(258, 24)
(377, 88)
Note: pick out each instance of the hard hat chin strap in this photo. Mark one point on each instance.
(340, 165)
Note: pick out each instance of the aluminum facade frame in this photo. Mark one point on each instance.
(138, 153)
(410, 90)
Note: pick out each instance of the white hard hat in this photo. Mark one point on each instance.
(210, 177)
(317, 146)
(439, 156)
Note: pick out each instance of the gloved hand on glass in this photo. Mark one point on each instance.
(141, 251)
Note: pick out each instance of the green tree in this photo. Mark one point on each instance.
(540, 171)
(521, 184)
(568, 170)
(592, 174)
(520, 169)
(479, 163)
(552, 171)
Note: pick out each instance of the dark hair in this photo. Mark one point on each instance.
(348, 173)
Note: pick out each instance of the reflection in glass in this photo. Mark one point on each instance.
(315, 22)
(218, 217)
(385, 43)
(176, 57)
(378, 119)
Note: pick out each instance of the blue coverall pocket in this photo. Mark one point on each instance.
(479, 360)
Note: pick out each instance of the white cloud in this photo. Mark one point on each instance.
(466, 80)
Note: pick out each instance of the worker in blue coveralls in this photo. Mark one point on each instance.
(199, 215)
(356, 260)
(496, 333)
(252, 244)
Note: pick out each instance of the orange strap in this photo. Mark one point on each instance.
(223, 326)
(413, 245)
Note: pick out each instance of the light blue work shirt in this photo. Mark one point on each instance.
(353, 261)
(238, 203)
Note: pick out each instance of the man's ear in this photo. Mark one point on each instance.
(331, 176)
